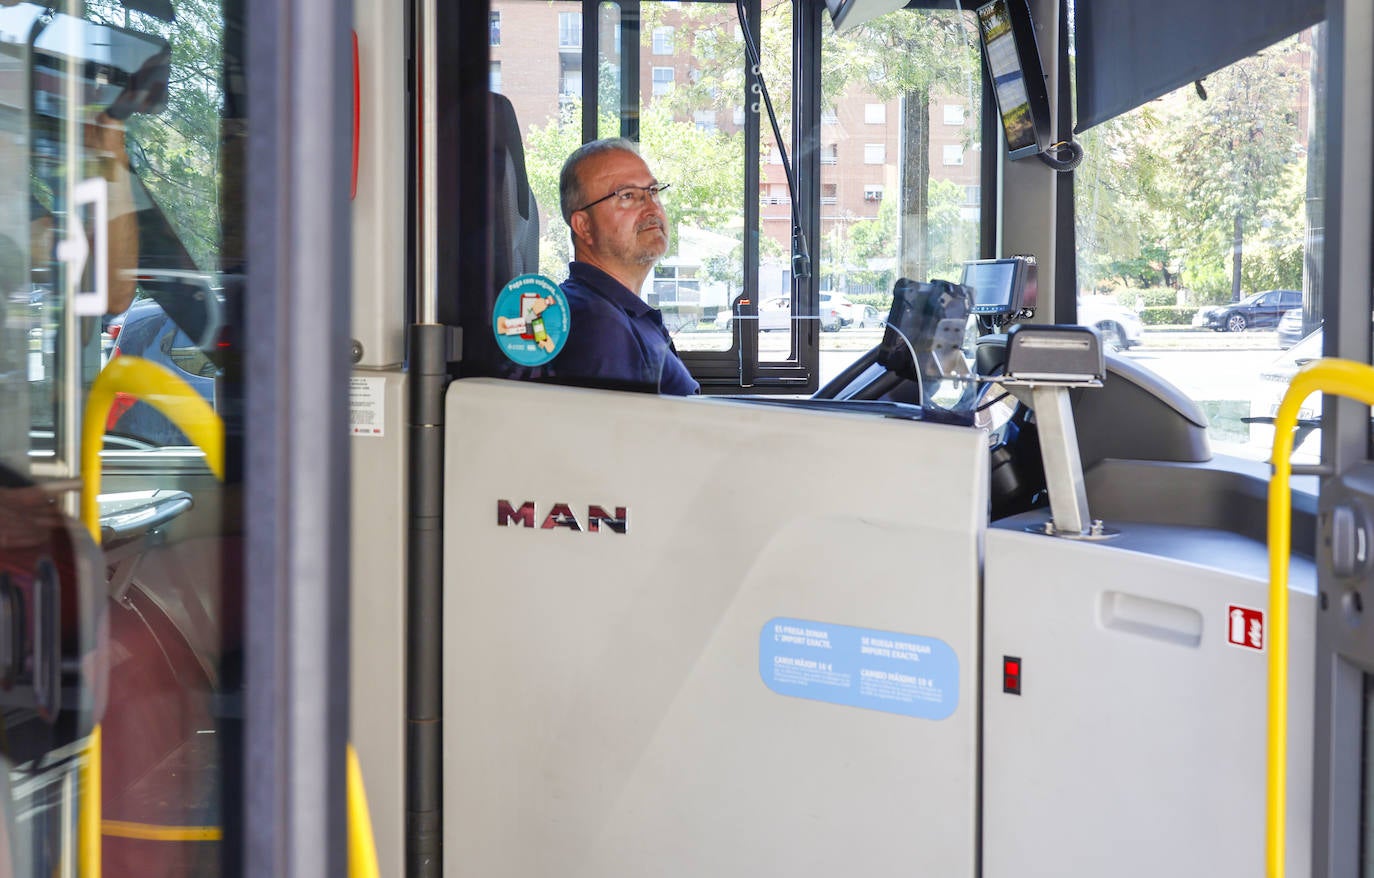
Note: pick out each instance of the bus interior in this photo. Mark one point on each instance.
(962, 563)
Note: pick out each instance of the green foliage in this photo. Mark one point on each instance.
(881, 301)
(1158, 198)
(953, 239)
(176, 152)
(1157, 298)
(902, 52)
(705, 169)
(1169, 315)
(546, 148)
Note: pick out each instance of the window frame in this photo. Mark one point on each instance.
(660, 87)
(566, 21)
(663, 40)
(738, 367)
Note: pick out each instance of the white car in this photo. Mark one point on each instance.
(1119, 327)
(1273, 383)
(868, 317)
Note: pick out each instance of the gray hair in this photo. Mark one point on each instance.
(570, 194)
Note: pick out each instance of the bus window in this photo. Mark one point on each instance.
(900, 159)
(1199, 227)
(537, 63)
(692, 130)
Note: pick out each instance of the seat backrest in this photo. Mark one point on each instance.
(515, 247)
(514, 238)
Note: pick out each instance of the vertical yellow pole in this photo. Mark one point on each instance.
(1341, 378)
(362, 848)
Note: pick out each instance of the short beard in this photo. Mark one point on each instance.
(649, 256)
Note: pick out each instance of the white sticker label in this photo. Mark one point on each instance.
(367, 406)
(75, 249)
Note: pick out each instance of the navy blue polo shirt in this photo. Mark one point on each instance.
(615, 339)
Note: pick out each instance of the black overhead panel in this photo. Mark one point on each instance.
(1130, 52)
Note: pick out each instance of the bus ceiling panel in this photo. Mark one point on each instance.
(1129, 52)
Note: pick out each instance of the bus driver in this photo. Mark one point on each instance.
(610, 201)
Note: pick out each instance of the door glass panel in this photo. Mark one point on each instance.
(692, 132)
(1366, 840)
(21, 341)
(540, 62)
(119, 657)
(609, 71)
(900, 159)
(690, 112)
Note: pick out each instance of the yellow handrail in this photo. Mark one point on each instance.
(1342, 378)
(163, 390)
(362, 848)
(179, 402)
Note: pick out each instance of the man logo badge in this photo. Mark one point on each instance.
(561, 515)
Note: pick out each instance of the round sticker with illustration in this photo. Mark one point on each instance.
(530, 320)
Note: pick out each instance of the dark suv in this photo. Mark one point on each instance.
(1260, 310)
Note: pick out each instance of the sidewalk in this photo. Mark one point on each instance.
(1192, 339)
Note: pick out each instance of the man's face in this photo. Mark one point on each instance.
(633, 236)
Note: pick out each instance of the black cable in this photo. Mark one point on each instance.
(1000, 370)
(992, 402)
(1075, 151)
(801, 256)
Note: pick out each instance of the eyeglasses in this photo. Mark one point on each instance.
(629, 196)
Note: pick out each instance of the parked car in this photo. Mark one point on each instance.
(1290, 328)
(868, 317)
(1253, 312)
(1119, 327)
(147, 331)
(848, 311)
(832, 311)
(1273, 383)
(775, 312)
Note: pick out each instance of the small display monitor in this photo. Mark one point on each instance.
(1018, 80)
(1000, 287)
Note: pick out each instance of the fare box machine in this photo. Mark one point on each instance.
(675, 646)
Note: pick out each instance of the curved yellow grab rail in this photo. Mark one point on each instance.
(362, 848)
(166, 392)
(163, 390)
(1342, 378)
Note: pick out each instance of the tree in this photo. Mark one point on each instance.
(1237, 149)
(1120, 213)
(702, 166)
(176, 152)
(910, 55)
(1203, 192)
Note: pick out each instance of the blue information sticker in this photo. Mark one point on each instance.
(860, 667)
(530, 320)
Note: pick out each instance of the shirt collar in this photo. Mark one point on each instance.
(610, 289)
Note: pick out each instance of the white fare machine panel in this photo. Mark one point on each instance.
(663, 656)
(1135, 746)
